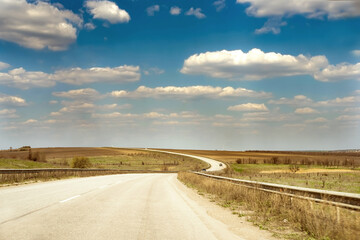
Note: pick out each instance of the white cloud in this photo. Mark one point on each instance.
(271, 25)
(85, 93)
(107, 10)
(248, 107)
(340, 101)
(89, 26)
(175, 123)
(348, 117)
(352, 109)
(306, 110)
(189, 92)
(30, 121)
(4, 65)
(356, 53)
(344, 71)
(220, 5)
(12, 100)
(80, 76)
(114, 115)
(8, 113)
(175, 10)
(77, 107)
(37, 25)
(310, 9)
(254, 65)
(195, 12)
(53, 102)
(20, 78)
(152, 9)
(317, 120)
(297, 100)
(154, 70)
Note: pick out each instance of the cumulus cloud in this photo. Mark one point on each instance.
(12, 100)
(107, 10)
(85, 93)
(310, 9)
(254, 65)
(271, 25)
(344, 71)
(306, 110)
(317, 120)
(195, 12)
(276, 10)
(154, 70)
(356, 53)
(20, 78)
(219, 5)
(80, 76)
(76, 106)
(344, 101)
(4, 65)
(175, 10)
(152, 9)
(8, 113)
(114, 115)
(296, 100)
(248, 107)
(38, 25)
(348, 117)
(89, 26)
(189, 92)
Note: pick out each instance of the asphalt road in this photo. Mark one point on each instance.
(214, 165)
(128, 206)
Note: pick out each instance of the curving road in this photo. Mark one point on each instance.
(214, 165)
(127, 206)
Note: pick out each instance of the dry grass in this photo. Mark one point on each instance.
(7, 179)
(279, 213)
(109, 158)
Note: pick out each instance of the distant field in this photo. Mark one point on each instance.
(109, 158)
(337, 171)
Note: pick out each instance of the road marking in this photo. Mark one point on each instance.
(68, 199)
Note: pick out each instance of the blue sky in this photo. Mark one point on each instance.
(222, 74)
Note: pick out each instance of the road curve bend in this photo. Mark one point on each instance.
(214, 165)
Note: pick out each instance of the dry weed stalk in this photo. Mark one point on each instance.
(318, 220)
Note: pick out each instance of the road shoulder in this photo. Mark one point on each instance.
(237, 225)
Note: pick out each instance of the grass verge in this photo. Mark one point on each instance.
(279, 213)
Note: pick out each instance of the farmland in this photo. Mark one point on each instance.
(337, 171)
(105, 158)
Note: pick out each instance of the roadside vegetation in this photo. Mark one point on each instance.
(285, 217)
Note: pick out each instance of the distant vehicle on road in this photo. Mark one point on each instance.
(220, 164)
(204, 169)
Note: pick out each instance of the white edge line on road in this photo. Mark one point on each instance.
(68, 199)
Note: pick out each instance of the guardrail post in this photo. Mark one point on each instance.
(338, 215)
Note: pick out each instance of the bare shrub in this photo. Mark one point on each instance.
(294, 168)
(80, 162)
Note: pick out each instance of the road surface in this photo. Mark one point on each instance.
(214, 165)
(127, 206)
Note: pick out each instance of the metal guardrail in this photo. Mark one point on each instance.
(338, 199)
(74, 170)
